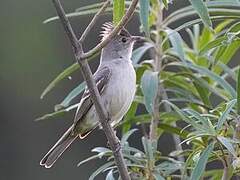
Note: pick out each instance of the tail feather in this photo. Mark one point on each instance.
(56, 151)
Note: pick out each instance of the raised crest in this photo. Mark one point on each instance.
(107, 29)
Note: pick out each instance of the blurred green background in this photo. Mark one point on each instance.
(31, 55)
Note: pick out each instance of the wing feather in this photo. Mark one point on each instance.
(101, 78)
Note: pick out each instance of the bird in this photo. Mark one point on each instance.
(115, 79)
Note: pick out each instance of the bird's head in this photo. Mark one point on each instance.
(120, 46)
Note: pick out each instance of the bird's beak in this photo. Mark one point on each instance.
(138, 39)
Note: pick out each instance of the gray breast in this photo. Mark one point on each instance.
(121, 89)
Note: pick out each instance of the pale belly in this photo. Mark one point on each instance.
(118, 97)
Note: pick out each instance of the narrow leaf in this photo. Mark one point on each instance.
(144, 15)
(184, 116)
(149, 86)
(101, 150)
(148, 148)
(127, 135)
(74, 93)
(225, 114)
(88, 159)
(203, 93)
(76, 14)
(202, 11)
(201, 164)
(213, 44)
(177, 43)
(224, 84)
(173, 130)
(158, 176)
(139, 52)
(59, 78)
(57, 113)
(238, 93)
(165, 2)
(118, 10)
(110, 175)
(226, 142)
(101, 169)
(51, 115)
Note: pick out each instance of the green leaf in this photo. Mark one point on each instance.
(57, 113)
(225, 114)
(184, 117)
(91, 6)
(226, 54)
(139, 52)
(224, 84)
(148, 148)
(206, 123)
(101, 150)
(203, 93)
(167, 168)
(118, 10)
(144, 15)
(101, 169)
(173, 130)
(215, 174)
(165, 2)
(110, 175)
(88, 159)
(201, 164)
(74, 93)
(177, 43)
(149, 86)
(158, 176)
(238, 93)
(128, 117)
(205, 37)
(213, 44)
(59, 78)
(126, 136)
(76, 14)
(226, 142)
(202, 11)
(51, 115)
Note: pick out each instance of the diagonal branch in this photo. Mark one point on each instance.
(67, 27)
(94, 20)
(114, 32)
(81, 58)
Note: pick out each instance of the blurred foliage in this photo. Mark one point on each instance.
(193, 76)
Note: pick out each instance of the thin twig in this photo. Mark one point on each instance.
(67, 26)
(153, 133)
(157, 67)
(94, 20)
(114, 32)
(81, 58)
(162, 92)
(176, 139)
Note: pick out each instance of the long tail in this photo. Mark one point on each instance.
(56, 151)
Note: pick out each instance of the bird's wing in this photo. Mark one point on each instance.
(101, 78)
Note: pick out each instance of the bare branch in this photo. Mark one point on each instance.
(92, 23)
(115, 31)
(66, 25)
(81, 58)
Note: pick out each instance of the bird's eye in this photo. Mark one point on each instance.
(124, 40)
